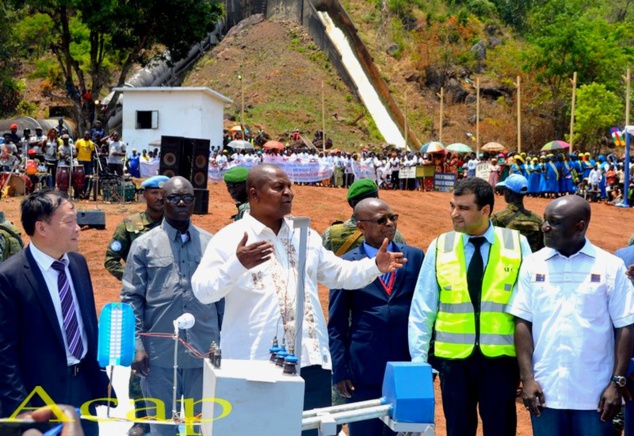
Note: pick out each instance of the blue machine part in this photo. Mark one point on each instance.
(116, 335)
(409, 388)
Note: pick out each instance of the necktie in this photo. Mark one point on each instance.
(69, 315)
(475, 273)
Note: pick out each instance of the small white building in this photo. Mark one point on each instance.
(192, 112)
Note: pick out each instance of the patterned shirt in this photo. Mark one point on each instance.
(260, 302)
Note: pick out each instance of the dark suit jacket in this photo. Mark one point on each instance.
(32, 349)
(627, 254)
(367, 328)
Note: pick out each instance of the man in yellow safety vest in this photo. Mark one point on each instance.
(467, 278)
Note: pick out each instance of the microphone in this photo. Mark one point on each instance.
(185, 321)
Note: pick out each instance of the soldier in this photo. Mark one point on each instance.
(342, 237)
(131, 228)
(515, 215)
(236, 180)
(135, 225)
(10, 239)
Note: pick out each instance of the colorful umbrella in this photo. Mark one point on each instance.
(433, 147)
(459, 147)
(493, 146)
(238, 128)
(555, 145)
(274, 145)
(239, 144)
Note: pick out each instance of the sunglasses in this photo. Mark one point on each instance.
(383, 220)
(175, 199)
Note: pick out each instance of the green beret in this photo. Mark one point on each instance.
(236, 175)
(361, 187)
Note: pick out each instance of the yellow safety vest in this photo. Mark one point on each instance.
(456, 321)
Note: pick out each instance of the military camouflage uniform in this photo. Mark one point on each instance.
(526, 222)
(337, 234)
(242, 209)
(10, 240)
(127, 231)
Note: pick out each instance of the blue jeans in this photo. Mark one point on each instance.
(564, 422)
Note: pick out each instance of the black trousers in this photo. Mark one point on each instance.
(317, 390)
(480, 382)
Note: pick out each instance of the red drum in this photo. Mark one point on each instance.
(63, 176)
(31, 167)
(79, 177)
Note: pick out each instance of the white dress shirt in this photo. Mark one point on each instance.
(256, 297)
(574, 303)
(45, 262)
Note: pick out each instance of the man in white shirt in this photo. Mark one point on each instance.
(574, 312)
(253, 262)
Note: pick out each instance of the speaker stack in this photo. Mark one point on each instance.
(189, 158)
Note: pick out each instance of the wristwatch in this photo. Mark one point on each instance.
(619, 380)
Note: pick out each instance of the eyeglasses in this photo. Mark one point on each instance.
(175, 199)
(383, 220)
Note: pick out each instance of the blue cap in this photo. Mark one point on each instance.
(154, 182)
(516, 183)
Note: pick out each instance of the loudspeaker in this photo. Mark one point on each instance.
(200, 163)
(171, 155)
(186, 158)
(201, 207)
(91, 218)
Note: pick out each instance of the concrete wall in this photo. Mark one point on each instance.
(305, 13)
(188, 112)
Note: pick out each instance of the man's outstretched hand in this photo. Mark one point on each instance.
(389, 262)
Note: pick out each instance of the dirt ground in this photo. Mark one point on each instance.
(422, 217)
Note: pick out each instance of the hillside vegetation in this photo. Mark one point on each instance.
(419, 46)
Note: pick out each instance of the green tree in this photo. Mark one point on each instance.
(85, 32)
(597, 109)
(569, 36)
(9, 88)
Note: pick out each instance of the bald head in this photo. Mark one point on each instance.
(368, 206)
(566, 221)
(270, 194)
(260, 174)
(175, 183)
(375, 220)
(574, 206)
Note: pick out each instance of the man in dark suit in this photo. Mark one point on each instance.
(48, 322)
(368, 327)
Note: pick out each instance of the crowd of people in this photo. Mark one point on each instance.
(549, 175)
(478, 305)
(504, 298)
(56, 160)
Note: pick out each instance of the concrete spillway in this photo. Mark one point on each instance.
(388, 128)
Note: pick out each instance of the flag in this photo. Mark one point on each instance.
(617, 137)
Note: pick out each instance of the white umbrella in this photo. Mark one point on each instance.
(240, 144)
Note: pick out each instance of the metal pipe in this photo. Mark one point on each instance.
(303, 224)
(344, 407)
(174, 386)
(348, 416)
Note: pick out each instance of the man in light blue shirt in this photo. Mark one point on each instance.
(477, 363)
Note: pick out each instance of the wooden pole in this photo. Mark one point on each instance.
(628, 79)
(572, 110)
(478, 116)
(242, 104)
(519, 114)
(405, 123)
(323, 118)
(442, 103)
